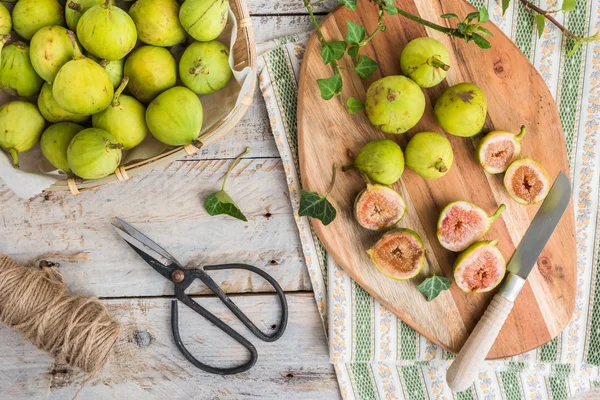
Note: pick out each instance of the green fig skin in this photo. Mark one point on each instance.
(21, 125)
(429, 154)
(125, 119)
(93, 154)
(151, 70)
(382, 161)
(107, 32)
(425, 60)
(204, 67)
(395, 104)
(29, 16)
(487, 250)
(17, 76)
(462, 110)
(157, 22)
(74, 9)
(204, 20)
(52, 112)
(389, 270)
(55, 142)
(114, 69)
(5, 20)
(50, 49)
(175, 117)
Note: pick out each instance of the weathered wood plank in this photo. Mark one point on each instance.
(167, 205)
(146, 363)
(269, 7)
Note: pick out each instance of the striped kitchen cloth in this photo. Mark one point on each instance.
(377, 356)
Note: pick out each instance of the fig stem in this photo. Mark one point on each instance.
(436, 62)
(440, 166)
(200, 68)
(114, 146)
(106, 3)
(232, 166)
(15, 157)
(103, 62)
(76, 50)
(124, 82)
(494, 242)
(75, 6)
(333, 176)
(522, 133)
(347, 168)
(499, 211)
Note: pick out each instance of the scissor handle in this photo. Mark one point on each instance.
(188, 301)
(212, 285)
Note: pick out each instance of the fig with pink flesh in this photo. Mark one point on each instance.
(527, 181)
(462, 223)
(399, 254)
(498, 149)
(480, 268)
(378, 207)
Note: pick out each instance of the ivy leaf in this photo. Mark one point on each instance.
(356, 32)
(330, 86)
(485, 31)
(505, 5)
(569, 5)
(484, 15)
(365, 67)
(354, 105)
(540, 22)
(462, 28)
(350, 4)
(314, 205)
(353, 52)
(481, 41)
(472, 16)
(390, 7)
(221, 203)
(449, 16)
(433, 286)
(333, 51)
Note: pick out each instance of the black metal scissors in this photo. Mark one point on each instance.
(182, 278)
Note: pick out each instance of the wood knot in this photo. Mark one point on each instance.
(500, 67)
(545, 267)
(143, 339)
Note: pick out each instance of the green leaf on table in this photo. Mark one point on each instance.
(365, 67)
(330, 86)
(485, 31)
(221, 203)
(481, 41)
(333, 51)
(390, 7)
(473, 16)
(449, 16)
(433, 286)
(356, 32)
(484, 15)
(354, 105)
(350, 4)
(569, 5)
(314, 205)
(462, 28)
(505, 5)
(353, 52)
(540, 22)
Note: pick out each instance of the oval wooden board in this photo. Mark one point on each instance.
(516, 95)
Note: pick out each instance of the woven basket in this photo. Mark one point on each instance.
(244, 55)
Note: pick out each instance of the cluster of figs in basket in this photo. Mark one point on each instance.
(396, 104)
(80, 59)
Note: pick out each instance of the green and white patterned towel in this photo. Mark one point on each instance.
(376, 356)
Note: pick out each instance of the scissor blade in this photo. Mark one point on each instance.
(148, 243)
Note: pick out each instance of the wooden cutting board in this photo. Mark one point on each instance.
(516, 95)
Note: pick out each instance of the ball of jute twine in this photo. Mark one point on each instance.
(35, 302)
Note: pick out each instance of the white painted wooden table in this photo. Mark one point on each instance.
(167, 204)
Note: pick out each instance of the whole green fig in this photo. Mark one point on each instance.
(151, 71)
(52, 112)
(17, 76)
(93, 154)
(395, 104)
(125, 119)
(157, 22)
(20, 128)
(5, 20)
(107, 32)
(50, 49)
(462, 110)
(175, 117)
(74, 9)
(55, 142)
(204, 20)
(82, 86)
(382, 161)
(204, 67)
(29, 16)
(114, 69)
(425, 60)
(429, 154)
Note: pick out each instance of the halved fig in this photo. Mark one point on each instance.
(398, 254)
(527, 181)
(378, 207)
(498, 149)
(462, 223)
(480, 268)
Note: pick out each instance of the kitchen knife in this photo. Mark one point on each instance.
(465, 367)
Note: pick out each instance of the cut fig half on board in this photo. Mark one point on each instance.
(378, 207)
(527, 181)
(462, 223)
(498, 149)
(480, 268)
(398, 254)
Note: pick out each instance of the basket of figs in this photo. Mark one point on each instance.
(97, 91)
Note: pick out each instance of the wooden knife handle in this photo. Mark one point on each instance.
(465, 367)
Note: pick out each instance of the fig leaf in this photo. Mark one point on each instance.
(569, 5)
(540, 22)
(433, 286)
(505, 5)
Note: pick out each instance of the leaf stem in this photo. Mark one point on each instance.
(549, 17)
(232, 166)
(381, 13)
(429, 24)
(319, 32)
(334, 175)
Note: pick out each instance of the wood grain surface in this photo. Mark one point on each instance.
(516, 95)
